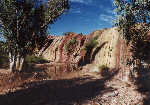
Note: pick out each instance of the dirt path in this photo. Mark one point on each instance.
(75, 88)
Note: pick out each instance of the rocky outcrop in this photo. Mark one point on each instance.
(62, 50)
(113, 52)
(110, 50)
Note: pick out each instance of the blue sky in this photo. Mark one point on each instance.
(84, 16)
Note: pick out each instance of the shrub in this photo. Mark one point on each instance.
(70, 44)
(4, 61)
(3, 48)
(103, 67)
(33, 59)
(91, 43)
(68, 33)
(104, 70)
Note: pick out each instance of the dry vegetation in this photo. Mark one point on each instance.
(52, 85)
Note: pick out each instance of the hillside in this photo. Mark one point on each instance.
(110, 50)
(82, 70)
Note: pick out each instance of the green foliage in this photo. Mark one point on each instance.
(2, 48)
(130, 16)
(91, 43)
(4, 61)
(23, 24)
(70, 44)
(81, 34)
(31, 59)
(133, 18)
(68, 33)
(54, 8)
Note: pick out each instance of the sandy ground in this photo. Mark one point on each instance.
(45, 86)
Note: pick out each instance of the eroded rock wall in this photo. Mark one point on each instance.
(110, 51)
(113, 52)
(57, 51)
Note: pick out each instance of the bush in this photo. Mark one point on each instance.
(68, 33)
(104, 70)
(4, 61)
(70, 44)
(33, 59)
(91, 43)
(3, 50)
(103, 67)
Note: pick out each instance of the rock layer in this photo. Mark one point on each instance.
(110, 51)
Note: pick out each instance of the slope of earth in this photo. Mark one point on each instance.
(64, 48)
(100, 48)
(73, 88)
(76, 75)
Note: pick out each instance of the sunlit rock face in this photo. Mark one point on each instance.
(113, 52)
(60, 50)
(110, 51)
(113, 49)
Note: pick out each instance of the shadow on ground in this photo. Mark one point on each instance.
(142, 81)
(58, 92)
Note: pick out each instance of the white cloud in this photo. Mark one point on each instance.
(110, 11)
(107, 10)
(106, 18)
(82, 1)
(78, 11)
(75, 10)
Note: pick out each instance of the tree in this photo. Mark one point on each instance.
(24, 24)
(133, 20)
(2, 45)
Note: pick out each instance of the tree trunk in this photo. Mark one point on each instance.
(12, 62)
(19, 62)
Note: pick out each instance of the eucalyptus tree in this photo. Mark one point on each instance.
(24, 24)
(133, 20)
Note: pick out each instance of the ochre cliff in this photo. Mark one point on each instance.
(113, 52)
(110, 50)
(57, 49)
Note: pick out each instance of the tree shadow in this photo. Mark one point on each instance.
(89, 56)
(4, 61)
(34, 68)
(58, 92)
(142, 80)
(97, 50)
(140, 49)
